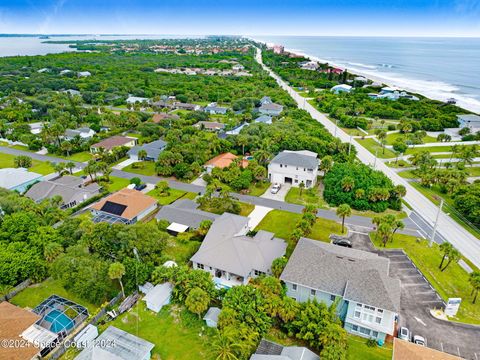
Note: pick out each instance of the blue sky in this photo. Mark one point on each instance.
(259, 17)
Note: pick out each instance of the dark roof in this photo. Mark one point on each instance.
(303, 158)
(113, 208)
(153, 149)
(184, 212)
(353, 274)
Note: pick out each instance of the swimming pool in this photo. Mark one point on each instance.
(59, 321)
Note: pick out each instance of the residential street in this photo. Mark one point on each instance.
(412, 227)
(464, 241)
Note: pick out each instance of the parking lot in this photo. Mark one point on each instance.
(417, 298)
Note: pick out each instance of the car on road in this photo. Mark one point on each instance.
(419, 340)
(404, 334)
(275, 188)
(342, 242)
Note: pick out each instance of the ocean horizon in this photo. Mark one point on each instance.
(438, 68)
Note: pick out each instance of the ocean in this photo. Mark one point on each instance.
(439, 68)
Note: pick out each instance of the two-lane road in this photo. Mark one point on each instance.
(448, 228)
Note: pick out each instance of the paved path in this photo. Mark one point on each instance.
(448, 228)
(123, 164)
(257, 215)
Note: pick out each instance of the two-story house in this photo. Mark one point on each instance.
(368, 298)
(232, 257)
(294, 167)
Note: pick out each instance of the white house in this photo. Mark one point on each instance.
(159, 296)
(294, 167)
(136, 99)
(232, 257)
(337, 89)
(84, 74)
(18, 179)
(369, 299)
(85, 133)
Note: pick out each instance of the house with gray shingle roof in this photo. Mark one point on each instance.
(369, 299)
(153, 150)
(84, 133)
(268, 350)
(185, 212)
(270, 109)
(294, 167)
(231, 256)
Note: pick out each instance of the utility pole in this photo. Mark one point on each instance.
(375, 161)
(350, 145)
(432, 238)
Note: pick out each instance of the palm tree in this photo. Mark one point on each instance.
(142, 155)
(70, 166)
(66, 146)
(348, 183)
(453, 256)
(454, 151)
(326, 164)
(301, 186)
(382, 136)
(242, 140)
(384, 231)
(344, 211)
(52, 250)
(474, 279)
(445, 247)
(262, 156)
(226, 348)
(116, 271)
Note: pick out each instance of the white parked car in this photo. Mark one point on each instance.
(419, 340)
(404, 334)
(275, 188)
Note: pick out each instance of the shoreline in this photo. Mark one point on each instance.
(462, 101)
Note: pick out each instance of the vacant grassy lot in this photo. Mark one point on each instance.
(282, 223)
(307, 197)
(116, 184)
(453, 282)
(181, 250)
(258, 188)
(79, 157)
(173, 195)
(433, 149)
(142, 168)
(391, 138)
(358, 349)
(40, 167)
(35, 294)
(176, 333)
(374, 147)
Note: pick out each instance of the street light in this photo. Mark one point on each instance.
(432, 238)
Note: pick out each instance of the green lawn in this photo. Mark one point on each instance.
(40, 167)
(453, 282)
(116, 184)
(359, 350)
(372, 146)
(258, 188)
(176, 333)
(83, 156)
(142, 168)
(35, 294)
(282, 223)
(391, 138)
(433, 149)
(408, 174)
(173, 195)
(311, 196)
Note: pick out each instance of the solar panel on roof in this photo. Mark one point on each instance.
(113, 208)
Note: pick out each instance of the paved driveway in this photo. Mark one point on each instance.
(280, 195)
(257, 215)
(417, 298)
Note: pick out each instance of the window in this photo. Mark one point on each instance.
(258, 273)
(200, 266)
(365, 331)
(355, 327)
(297, 167)
(378, 320)
(332, 297)
(285, 166)
(380, 311)
(357, 314)
(281, 165)
(375, 334)
(359, 306)
(312, 292)
(294, 287)
(296, 181)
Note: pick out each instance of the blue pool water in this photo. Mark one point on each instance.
(59, 321)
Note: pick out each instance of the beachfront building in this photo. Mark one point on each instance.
(153, 150)
(110, 143)
(470, 121)
(18, 179)
(232, 257)
(126, 206)
(342, 88)
(369, 299)
(294, 167)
